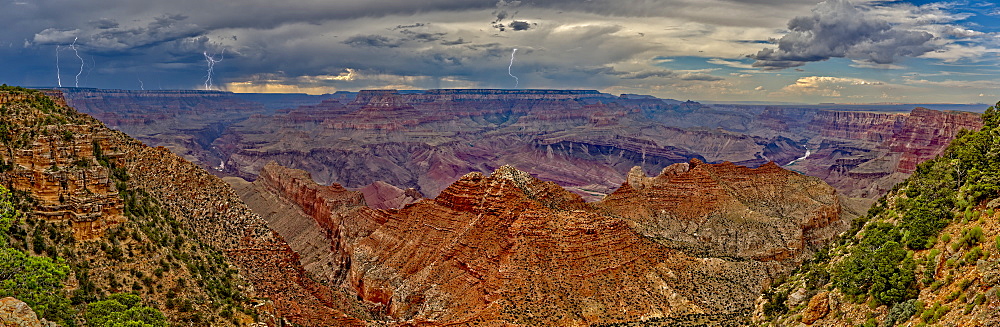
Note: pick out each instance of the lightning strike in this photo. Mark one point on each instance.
(58, 74)
(211, 61)
(516, 81)
(73, 46)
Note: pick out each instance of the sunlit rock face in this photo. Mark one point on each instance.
(698, 238)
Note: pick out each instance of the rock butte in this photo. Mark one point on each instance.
(508, 247)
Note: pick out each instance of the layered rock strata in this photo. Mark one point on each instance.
(64, 165)
(57, 162)
(863, 154)
(511, 249)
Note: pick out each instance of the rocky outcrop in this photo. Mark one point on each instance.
(319, 202)
(382, 195)
(819, 307)
(510, 248)
(15, 313)
(57, 163)
(725, 210)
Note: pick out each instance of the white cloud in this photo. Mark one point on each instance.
(729, 63)
(825, 86)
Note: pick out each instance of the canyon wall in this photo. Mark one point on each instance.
(584, 140)
(863, 154)
(511, 248)
(64, 162)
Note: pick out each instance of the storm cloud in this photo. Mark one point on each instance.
(839, 29)
(610, 45)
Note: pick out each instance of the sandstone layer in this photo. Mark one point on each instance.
(509, 248)
(863, 154)
(56, 162)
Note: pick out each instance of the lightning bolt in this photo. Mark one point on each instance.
(516, 81)
(140, 84)
(58, 74)
(211, 67)
(73, 46)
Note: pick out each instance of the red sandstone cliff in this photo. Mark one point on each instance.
(510, 248)
(863, 154)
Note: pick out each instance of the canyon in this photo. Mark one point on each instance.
(461, 207)
(510, 248)
(585, 141)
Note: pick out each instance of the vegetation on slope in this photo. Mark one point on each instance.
(150, 255)
(38, 281)
(917, 251)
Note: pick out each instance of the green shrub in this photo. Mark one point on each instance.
(123, 309)
(900, 312)
(38, 281)
(952, 296)
(775, 305)
(974, 254)
(971, 237)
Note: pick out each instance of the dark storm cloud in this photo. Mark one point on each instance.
(422, 36)
(399, 27)
(460, 41)
(838, 29)
(376, 41)
(104, 23)
(519, 25)
(105, 38)
(416, 42)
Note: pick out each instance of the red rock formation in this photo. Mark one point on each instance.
(863, 154)
(382, 195)
(320, 202)
(80, 191)
(59, 167)
(707, 205)
(926, 133)
(511, 249)
(864, 126)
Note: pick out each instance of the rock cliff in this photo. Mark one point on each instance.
(511, 248)
(57, 163)
(80, 174)
(863, 154)
(15, 313)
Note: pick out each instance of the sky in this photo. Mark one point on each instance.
(804, 51)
